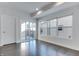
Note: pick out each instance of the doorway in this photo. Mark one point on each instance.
(28, 31)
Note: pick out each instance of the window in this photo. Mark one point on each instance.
(53, 27)
(43, 28)
(23, 31)
(27, 25)
(65, 21)
(34, 26)
(28, 30)
(53, 23)
(66, 24)
(59, 27)
(23, 27)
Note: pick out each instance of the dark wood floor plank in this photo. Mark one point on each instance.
(36, 48)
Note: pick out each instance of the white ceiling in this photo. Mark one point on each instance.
(30, 7)
(24, 6)
(57, 8)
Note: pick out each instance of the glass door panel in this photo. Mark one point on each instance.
(23, 32)
(28, 30)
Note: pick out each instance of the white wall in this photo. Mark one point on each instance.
(7, 29)
(10, 25)
(72, 43)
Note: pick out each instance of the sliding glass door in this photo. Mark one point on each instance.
(28, 30)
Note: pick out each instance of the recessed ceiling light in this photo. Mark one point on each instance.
(39, 12)
(37, 9)
(59, 3)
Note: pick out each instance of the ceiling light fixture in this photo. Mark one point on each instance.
(59, 3)
(39, 12)
(37, 9)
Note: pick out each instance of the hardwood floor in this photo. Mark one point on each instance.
(36, 48)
